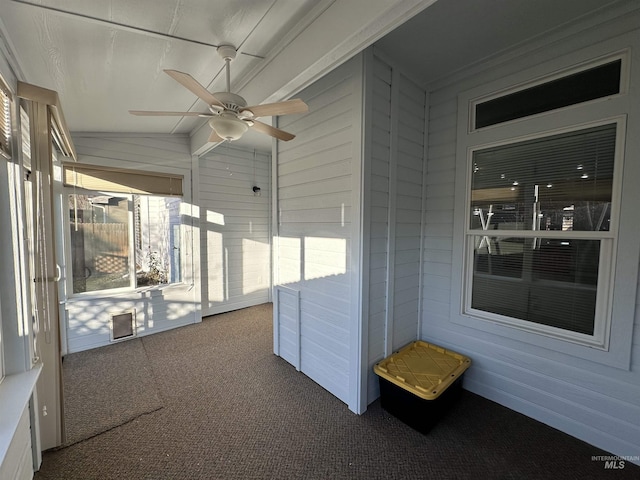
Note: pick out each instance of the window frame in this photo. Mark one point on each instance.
(622, 55)
(606, 271)
(624, 273)
(132, 287)
(6, 155)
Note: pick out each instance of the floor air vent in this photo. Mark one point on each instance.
(123, 326)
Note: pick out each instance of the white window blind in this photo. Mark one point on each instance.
(5, 122)
(94, 178)
(534, 185)
(25, 138)
(540, 223)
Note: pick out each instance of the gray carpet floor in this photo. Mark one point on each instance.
(233, 410)
(106, 387)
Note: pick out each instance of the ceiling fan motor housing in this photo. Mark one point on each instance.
(227, 52)
(231, 101)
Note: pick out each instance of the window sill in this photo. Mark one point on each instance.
(141, 292)
(15, 392)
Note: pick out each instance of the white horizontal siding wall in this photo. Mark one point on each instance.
(409, 154)
(591, 401)
(378, 191)
(234, 228)
(286, 337)
(88, 319)
(394, 210)
(18, 461)
(318, 228)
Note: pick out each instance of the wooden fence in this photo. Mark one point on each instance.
(99, 248)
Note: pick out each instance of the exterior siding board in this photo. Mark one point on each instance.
(315, 224)
(591, 401)
(395, 214)
(235, 230)
(315, 187)
(379, 221)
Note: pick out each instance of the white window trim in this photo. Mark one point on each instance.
(618, 334)
(622, 55)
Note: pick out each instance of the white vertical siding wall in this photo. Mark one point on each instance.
(591, 401)
(395, 212)
(88, 320)
(235, 245)
(317, 197)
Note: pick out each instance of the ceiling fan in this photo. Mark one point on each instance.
(229, 116)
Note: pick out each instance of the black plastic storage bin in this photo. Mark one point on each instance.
(420, 383)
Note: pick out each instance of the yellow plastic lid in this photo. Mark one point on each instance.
(424, 369)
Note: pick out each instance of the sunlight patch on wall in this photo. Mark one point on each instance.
(215, 262)
(189, 209)
(324, 257)
(255, 272)
(289, 260)
(215, 217)
(178, 310)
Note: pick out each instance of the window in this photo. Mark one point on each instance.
(545, 249)
(125, 227)
(103, 255)
(590, 84)
(540, 232)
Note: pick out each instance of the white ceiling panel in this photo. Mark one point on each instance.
(105, 57)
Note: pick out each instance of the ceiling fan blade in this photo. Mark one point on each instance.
(192, 84)
(281, 108)
(274, 132)
(148, 113)
(214, 137)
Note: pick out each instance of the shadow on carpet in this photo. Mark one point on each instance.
(106, 387)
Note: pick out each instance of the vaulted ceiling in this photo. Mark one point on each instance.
(105, 57)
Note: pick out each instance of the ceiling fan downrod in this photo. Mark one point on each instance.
(228, 53)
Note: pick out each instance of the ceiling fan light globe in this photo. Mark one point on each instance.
(228, 126)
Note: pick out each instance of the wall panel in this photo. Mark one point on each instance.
(590, 400)
(235, 231)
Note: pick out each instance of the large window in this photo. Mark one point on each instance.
(105, 256)
(125, 227)
(540, 233)
(545, 249)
